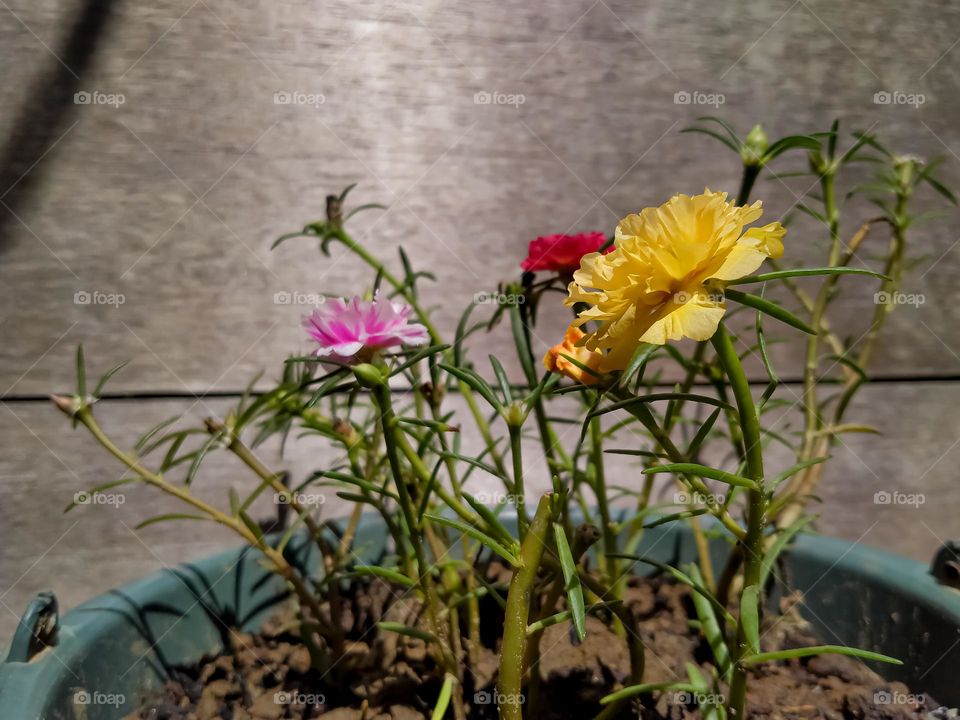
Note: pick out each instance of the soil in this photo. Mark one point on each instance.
(386, 676)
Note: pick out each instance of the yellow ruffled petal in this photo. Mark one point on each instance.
(767, 239)
(741, 261)
(650, 288)
(697, 320)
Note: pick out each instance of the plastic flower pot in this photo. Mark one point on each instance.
(107, 657)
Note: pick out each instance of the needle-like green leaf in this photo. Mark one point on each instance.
(106, 377)
(710, 626)
(777, 546)
(790, 472)
(656, 397)
(770, 308)
(502, 380)
(169, 516)
(637, 363)
(475, 382)
(443, 700)
(819, 650)
(691, 580)
(494, 525)
(571, 581)
(806, 272)
(413, 632)
(507, 554)
(644, 688)
(523, 346)
(703, 471)
(81, 373)
(394, 576)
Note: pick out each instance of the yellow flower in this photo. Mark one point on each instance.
(555, 362)
(651, 287)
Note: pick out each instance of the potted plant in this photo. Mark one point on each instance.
(591, 600)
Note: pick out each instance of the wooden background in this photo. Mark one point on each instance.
(172, 198)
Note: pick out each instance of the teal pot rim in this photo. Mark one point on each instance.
(106, 657)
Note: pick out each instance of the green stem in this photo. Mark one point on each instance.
(757, 503)
(751, 171)
(473, 605)
(750, 174)
(483, 426)
(892, 269)
(381, 395)
(435, 337)
(391, 436)
(514, 647)
(609, 563)
(548, 438)
(804, 485)
(812, 419)
(696, 360)
(423, 475)
(519, 490)
(673, 452)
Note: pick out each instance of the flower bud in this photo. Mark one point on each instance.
(67, 405)
(369, 376)
(905, 166)
(755, 146)
(515, 415)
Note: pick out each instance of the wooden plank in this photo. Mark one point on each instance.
(115, 208)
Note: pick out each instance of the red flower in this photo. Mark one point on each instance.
(561, 253)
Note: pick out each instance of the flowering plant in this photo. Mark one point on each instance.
(672, 272)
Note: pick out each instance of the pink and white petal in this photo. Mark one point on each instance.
(345, 349)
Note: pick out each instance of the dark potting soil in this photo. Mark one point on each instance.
(385, 676)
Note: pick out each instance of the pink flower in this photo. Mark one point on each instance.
(561, 253)
(354, 330)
